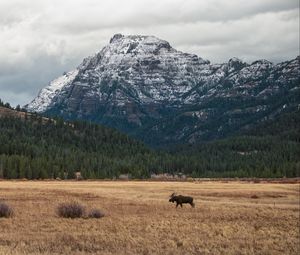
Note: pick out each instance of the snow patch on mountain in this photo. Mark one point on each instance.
(44, 98)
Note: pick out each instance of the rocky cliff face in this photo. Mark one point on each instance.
(143, 86)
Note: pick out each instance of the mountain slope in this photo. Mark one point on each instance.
(146, 88)
(32, 147)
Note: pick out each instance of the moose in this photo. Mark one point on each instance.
(181, 200)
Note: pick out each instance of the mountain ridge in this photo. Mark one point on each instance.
(146, 88)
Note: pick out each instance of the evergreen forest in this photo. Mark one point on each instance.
(35, 147)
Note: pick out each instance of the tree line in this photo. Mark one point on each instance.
(33, 148)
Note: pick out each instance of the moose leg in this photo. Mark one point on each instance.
(176, 204)
(181, 205)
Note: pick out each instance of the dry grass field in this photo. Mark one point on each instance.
(140, 220)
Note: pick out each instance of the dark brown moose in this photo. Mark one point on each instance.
(181, 200)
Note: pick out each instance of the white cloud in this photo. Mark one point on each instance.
(41, 39)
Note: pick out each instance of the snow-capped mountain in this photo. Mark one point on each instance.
(143, 86)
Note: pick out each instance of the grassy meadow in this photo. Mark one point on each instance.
(229, 218)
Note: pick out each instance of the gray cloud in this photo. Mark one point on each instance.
(41, 39)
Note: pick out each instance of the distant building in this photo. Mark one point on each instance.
(78, 176)
(124, 176)
(167, 176)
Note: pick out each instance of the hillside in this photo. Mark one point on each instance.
(286, 126)
(33, 148)
(271, 148)
(9, 112)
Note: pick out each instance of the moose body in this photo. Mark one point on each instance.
(181, 200)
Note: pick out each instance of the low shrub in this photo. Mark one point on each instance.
(96, 213)
(5, 210)
(71, 210)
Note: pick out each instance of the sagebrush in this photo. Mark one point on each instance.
(71, 210)
(6, 211)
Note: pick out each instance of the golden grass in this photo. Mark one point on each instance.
(140, 220)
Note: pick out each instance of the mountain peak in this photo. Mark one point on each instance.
(116, 37)
(235, 64)
(262, 62)
(136, 44)
(235, 60)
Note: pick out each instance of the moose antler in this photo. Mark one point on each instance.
(173, 194)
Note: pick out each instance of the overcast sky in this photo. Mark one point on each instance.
(40, 39)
